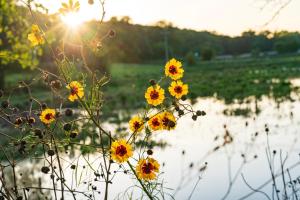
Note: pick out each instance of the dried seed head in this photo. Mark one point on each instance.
(149, 152)
(50, 152)
(56, 84)
(68, 112)
(45, 169)
(194, 117)
(180, 112)
(67, 127)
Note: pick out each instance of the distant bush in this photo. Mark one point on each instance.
(207, 54)
(190, 58)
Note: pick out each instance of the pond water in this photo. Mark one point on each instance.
(195, 143)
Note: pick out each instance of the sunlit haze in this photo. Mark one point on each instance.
(229, 17)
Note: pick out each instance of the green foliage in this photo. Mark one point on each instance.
(207, 54)
(287, 42)
(14, 47)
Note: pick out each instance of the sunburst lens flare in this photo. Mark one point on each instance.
(72, 19)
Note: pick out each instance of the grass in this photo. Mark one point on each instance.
(227, 80)
(232, 80)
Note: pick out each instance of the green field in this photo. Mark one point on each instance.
(227, 80)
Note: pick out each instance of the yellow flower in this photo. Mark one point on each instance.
(47, 116)
(36, 36)
(178, 89)
(155, 95)
(120, 151)
(168, 120)
(73, 6)
(155, 122)
(147, 169)
(173, 69)
(76, 90)
(136, 124)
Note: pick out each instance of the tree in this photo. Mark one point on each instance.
(286, 42)
(14, 47)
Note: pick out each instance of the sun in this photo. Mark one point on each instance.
(72, 19)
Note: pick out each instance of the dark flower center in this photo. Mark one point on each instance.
(121, 150)
(136, 125)
(74, 90)
(154, 95)
(172, 69)
(48, 116)
(155, 122)
(165, 121)
(147, 168)
(178, 89)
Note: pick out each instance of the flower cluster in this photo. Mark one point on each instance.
(147, 168)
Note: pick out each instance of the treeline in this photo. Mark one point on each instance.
(137, 43)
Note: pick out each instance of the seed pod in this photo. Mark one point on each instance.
(67, 127)
(68, 112)
(194, 117)
(171, 124)
(198, 113)
(50, 152)
(181, 112)
(45, 169)
(149, 152)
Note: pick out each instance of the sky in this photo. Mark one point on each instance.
(229, 17)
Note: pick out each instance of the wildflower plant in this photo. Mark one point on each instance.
(50, 130)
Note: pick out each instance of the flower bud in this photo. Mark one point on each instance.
(152, 82)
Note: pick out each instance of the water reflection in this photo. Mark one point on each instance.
(220, 156)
